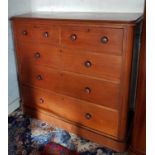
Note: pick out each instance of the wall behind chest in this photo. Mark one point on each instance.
(15, 7)
(89, 5)
(18, 7)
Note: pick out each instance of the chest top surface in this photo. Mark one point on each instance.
(84, 16)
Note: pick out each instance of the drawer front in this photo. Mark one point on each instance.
(80, 112)
(93, 64)
(102, 39)
(92, 90)
(46, 55)
(38, 33)
(40, 77)
(79, 61)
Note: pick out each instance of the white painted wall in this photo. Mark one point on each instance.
(15, 7)
(23, 6)
(89, 5)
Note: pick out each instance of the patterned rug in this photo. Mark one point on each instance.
(28, 136)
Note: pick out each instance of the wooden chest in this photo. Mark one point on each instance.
(75, 70)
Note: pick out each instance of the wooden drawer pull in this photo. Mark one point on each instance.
(88, 64)
(41, 100)
(88, 116)
(73, 37)
(104, 39)
(87, 90)
(24, 32)
(39, 77)
(37, 55)
(45, 34)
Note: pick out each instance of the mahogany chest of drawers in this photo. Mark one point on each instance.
(75, 72)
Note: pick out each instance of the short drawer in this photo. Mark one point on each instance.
(79, 61)
(82, 113)
(37, 32)
(45, 55)
(81, 87)
(103, 39)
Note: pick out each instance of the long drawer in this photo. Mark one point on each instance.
(79, 61)
(82, 87)
(83, 113)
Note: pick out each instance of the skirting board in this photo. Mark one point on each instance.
(13, 105)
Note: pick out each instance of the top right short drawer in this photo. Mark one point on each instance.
(101, 39)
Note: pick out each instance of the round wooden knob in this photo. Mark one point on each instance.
(104, 39)
(73, 37)
(39, 77)
(24, 32)
(37, 55)
(88, 64)
(88, 116)
(87, 90)
(46, 34)
(41, 100)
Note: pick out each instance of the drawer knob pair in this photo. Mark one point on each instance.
(88, 116)
(104, 39)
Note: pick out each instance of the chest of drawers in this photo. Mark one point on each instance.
(75, 73)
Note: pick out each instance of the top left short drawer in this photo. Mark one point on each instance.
(36, 32)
